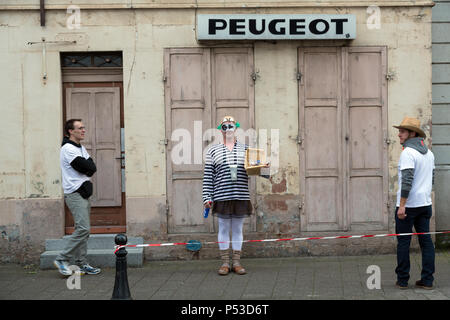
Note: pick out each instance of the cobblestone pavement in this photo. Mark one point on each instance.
(297, 278)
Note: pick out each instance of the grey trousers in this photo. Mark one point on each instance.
(76, 247)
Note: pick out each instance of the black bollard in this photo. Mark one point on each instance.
(121, 289)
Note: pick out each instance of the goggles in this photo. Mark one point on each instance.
(227, 127)
(232, 126)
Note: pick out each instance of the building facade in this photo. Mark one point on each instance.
(441, 112)
(151, 94)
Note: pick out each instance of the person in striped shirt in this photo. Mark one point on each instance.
(225, 189)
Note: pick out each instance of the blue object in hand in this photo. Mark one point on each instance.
(206, 213)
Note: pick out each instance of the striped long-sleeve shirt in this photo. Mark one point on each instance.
(217, 183)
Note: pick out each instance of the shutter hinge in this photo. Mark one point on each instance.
(390, 76)
(164, 78)
(299, 140)
(299, 76)
(388, 141)
(255, 75)
(167, 208)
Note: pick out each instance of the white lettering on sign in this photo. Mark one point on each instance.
(275, 26)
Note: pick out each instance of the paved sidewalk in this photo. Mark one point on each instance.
(301, 278)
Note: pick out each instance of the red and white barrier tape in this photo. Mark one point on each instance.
(276, 240)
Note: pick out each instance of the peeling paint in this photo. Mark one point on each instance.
(276, 205)
(279, 187)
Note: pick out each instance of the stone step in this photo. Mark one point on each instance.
(100, 251)
(97, 258)
(96, 241)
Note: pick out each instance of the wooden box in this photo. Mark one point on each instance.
(255, 159)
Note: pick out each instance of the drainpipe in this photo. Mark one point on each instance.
(42, 9)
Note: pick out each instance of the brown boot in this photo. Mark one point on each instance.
(237, 268)
(225, 268)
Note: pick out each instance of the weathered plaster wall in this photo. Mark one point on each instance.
(30, 178)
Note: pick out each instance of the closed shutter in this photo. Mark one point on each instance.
(342, 130)
(187, 97)
(366, 134)
(232, 89)
(321, 136)
(202, 86)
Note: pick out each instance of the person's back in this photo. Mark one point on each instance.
(418, 157)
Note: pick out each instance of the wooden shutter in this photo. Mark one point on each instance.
(202, 85)
(188, 101)
(232, 93)
(343, 132)
(366, 134)
(232, 86)
(320, 134)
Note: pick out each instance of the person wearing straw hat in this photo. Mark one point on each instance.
(414, 207)
(225, 189)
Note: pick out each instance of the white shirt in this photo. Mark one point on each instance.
(423, 165)
(71, 178)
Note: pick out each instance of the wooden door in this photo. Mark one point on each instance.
(188, 105)
(99, 107)
(202, 86)
(233, 94)
(321, 139)
(343, 131)
(366, 136)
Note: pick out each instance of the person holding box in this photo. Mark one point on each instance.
(225, 190)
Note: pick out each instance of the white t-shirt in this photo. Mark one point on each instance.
(71, 178)
(423, 165)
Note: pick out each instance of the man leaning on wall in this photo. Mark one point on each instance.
(77, 169)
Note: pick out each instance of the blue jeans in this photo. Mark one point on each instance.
(420, 219)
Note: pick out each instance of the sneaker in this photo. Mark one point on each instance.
(401, 285)
(63, 267)
(89, 269)
(420, 284)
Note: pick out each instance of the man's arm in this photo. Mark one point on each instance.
(407, 180)
(83, 165)
(432, 181)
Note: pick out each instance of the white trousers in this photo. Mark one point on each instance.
(235, 226)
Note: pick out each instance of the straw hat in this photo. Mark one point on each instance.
(412, 124)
